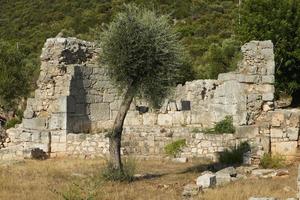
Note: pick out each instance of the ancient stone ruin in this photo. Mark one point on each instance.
(75, 104)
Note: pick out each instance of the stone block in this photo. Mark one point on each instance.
(206, 180)
(268, 97)
(165, 120)
(246, 131)
(227, 76)
(99, 111)
(35, 123)
(277, 118)
(277, 133)
(149, 119)
(179, 118)
(292, 133)
(58, 121)
(248, 78)
(269, 79)
(222, 179)
(133, 118)
(285, 148)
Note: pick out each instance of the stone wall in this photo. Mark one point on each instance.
(75, 104)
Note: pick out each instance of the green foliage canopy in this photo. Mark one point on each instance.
(142, 51)
(279, 21)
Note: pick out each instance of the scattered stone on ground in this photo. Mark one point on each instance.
(206, 180)
(269, 173)
(190, 190)
(262, 198)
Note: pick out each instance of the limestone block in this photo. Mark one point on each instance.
(206, 180)
(248, 78)
(25, 137)
(246, 131)
(149, 119)
(179, 118)
(107, 97)
(58, 147)
(285, 148)
(294, 120)
(63, 102)
(58, 121)
(269, 79)
(227, 76)
(277, 119)
(268, 97)
(99, 111)
(277, 133)
(165, 120)
(292, 133)
(35, 123)
(133, 118)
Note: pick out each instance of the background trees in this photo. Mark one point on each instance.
(278, 21)
(143, 56)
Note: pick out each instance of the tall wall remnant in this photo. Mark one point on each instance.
(75, 103)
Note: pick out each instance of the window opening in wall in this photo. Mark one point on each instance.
(185, 105)
(142, 109)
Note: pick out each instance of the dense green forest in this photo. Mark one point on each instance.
(211, 31)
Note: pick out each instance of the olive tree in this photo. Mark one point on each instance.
(143, 57)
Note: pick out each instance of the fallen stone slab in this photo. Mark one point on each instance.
(223, 179)
(231, 171)
(206, 180)
(264, 173)
(262, 198)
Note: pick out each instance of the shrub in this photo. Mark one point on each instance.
(109, 173)
(235, 155)
(272, 161)
(11, 123)
(225, 126)
(175, 147)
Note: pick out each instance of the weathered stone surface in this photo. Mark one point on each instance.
(35, 123)
(262, 198)
(206, 180)
(100, 111)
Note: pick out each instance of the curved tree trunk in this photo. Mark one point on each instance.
(116, 135)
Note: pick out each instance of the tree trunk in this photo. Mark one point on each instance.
(116, 135)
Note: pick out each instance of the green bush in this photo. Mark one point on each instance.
(225, 126)
(175, 147)
(272, 161)
(109, 173)
(235, 155)
(11, 123)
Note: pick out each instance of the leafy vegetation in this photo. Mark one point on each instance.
(175, 147)
(211, 31)
(223, 126)
(27, 24)
(235, 155)
(272, 161)
(278, 21)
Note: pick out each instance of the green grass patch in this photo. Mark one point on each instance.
(272, 161)
(175, 147)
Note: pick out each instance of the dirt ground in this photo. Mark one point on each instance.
(75, 179)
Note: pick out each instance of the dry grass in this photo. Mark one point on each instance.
(37, 180)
